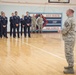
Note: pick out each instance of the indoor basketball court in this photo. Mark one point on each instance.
(43, 53)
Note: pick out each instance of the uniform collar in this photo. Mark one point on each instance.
(27, 15)
(70, 16)
(16, 15)
(1, 15)
(4, 17)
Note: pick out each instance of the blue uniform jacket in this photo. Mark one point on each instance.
(4, 21)
(11, 20)
(27, 20)
(16, 20)
(22, 21)
(0, 19)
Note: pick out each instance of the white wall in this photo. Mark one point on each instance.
(8, 9)
(73, 1)
(35, 1)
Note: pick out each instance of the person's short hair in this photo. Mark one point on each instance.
(27, 12)
(2, 12)
(22, 15)
(12, 13)
(15, 11)
(71, 10)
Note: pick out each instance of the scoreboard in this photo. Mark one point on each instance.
(52, 22)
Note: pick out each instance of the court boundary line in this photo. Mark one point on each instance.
(46, 52)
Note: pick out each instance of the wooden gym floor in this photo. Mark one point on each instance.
(43, 54)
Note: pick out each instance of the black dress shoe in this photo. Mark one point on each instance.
(14, 36)
(6, 37)
(25, 36)
(0, 36)
(10, 35)
(29, 36)
(37, 32)
(18, 37)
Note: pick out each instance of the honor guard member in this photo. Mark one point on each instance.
(16, 24)
(27, 19)
(33, 27)
(4, 25)
(11, 23)
(1, 24)
(40, 23)
(22, 24)
(68, 33)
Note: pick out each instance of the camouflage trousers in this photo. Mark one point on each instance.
(33, 27)
(69, 47)
(40, 26)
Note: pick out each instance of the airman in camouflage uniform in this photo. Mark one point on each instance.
(40, 23)
(33, 27)
(68, 33)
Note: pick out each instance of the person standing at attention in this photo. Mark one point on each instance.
(4, 22)
(1, 24)
(68, 34)
(33, 27)
(27, 20)
(16, 24)
(11, 23)
(40, 23)
(22, 24)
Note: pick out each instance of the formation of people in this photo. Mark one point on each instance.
(27, 22)
(68, 32)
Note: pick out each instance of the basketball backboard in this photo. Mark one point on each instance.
(58, 1)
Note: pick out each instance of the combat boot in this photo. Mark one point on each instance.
(67, 67)
(69, 71)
